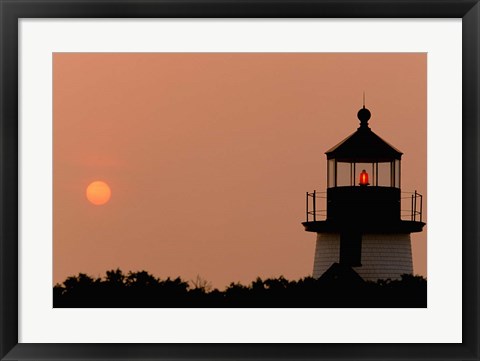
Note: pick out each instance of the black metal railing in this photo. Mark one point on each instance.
(411, 204)
(313, 200)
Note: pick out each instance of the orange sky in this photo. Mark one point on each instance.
(209, 156)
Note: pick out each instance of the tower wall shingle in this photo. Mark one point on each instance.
(383, 255)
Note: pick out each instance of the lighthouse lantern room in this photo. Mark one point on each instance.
(363, 225)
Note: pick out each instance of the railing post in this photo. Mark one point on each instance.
(415, 206)
(306, 211)
(314, 206)
(411, 210)
(421, 201)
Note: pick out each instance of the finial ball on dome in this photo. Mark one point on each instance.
(364, 115)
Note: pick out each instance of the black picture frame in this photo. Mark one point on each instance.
(12, 10)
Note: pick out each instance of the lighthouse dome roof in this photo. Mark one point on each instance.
(363, 145)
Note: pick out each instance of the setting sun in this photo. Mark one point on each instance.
(98, 193)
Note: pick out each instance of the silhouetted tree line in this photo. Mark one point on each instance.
(141, 289)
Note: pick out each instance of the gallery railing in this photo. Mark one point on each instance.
(313, 199)
(411, 204)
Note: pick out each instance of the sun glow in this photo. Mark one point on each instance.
(98, 193)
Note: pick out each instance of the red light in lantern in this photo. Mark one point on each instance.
(364, 178)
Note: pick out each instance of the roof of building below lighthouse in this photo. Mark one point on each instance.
(363, 145)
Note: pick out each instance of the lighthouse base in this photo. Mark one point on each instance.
(383, 256)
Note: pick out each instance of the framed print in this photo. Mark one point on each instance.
(224, 180)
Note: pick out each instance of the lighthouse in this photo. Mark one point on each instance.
(364, 220)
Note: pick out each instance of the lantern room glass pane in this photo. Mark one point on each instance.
(331, 173)
(367, 167)
(347, 174)
(397, 174)
(344, 174)
(384, 174)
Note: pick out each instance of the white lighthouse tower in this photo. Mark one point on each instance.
(362, 225)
